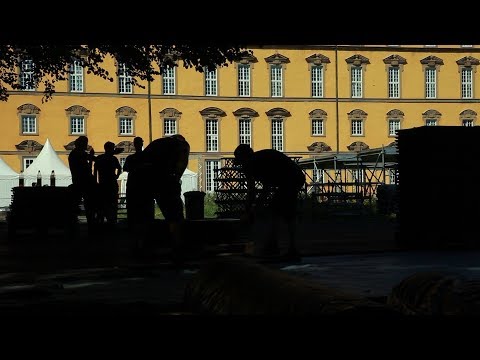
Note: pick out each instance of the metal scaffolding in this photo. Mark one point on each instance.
(350, 177)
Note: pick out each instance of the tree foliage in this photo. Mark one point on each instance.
(52, 62)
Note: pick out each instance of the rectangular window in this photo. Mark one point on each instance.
(124, 80)
(169, 127)
(393, 82)
(392, 176)
(467, 123)
(276, 80)
(430, 83)
(76, 77)
(245, 131)
(122, 161)
(27, 161)
(211, 168)
(393, 127)
(431, 122)
(317, 127)
(277, 134)
(243, 80)
(212, 135)
(169, 81)
(318, 176)
(357, 90)
(126, 126)
(357, 175)
(77, 125)
(29, 124)
(467, 83)
(357, 127)
(27, 80)
(317, 81)
(211, 83)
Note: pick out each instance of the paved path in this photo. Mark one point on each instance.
(88, 276)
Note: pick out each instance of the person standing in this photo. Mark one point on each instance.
(106, 171)
(282, 180)
(164, 161)
(140, 206)
(83, 182)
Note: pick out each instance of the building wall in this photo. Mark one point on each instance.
(102, 100)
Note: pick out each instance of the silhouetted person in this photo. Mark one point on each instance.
(107, 169)
(165, 161)
(281, 178)
(140, 205)
(83, 181)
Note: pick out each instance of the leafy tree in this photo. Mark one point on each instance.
(51, 63)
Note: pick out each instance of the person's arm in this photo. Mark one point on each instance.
(126, 165)
(118, 168)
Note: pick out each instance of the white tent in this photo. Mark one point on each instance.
(8, 180)
(189, 181)
(45, 162)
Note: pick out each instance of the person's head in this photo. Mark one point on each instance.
(109, 147)
(81, 143)
(138, 143)
(242, 153)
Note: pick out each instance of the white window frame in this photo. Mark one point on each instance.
(394, 82)
(124, 80)
(393, 126)
(356, 77)
(430, 83)
(467, 122)
(277, 134)
(244, 78)
(76, 77)
(357, 175)
(77, 125)
(318, 176)
(27, 161)
(29, 124)
(168, 81)
(245, 131)
(318, 127)
(122, 160)
(125, 125)
(467, 83)
(391, 174)
(357, 127)
(210, 167)
(317, 81)
(211, 135)
(211, 83)
(276, 80)
(431, 122)
(26, 73)
(169, 126)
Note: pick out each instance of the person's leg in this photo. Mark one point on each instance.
(171, 205)
(285, 206)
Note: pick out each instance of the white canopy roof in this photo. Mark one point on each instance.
(5, 169)
(47, 161)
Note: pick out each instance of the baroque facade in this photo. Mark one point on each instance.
(302, 100)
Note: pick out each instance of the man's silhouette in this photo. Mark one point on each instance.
(164, 161)
(281, 179)
(83, 181)
(140, 205)
(107, 169)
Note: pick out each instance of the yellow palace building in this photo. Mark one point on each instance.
(302, 100)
